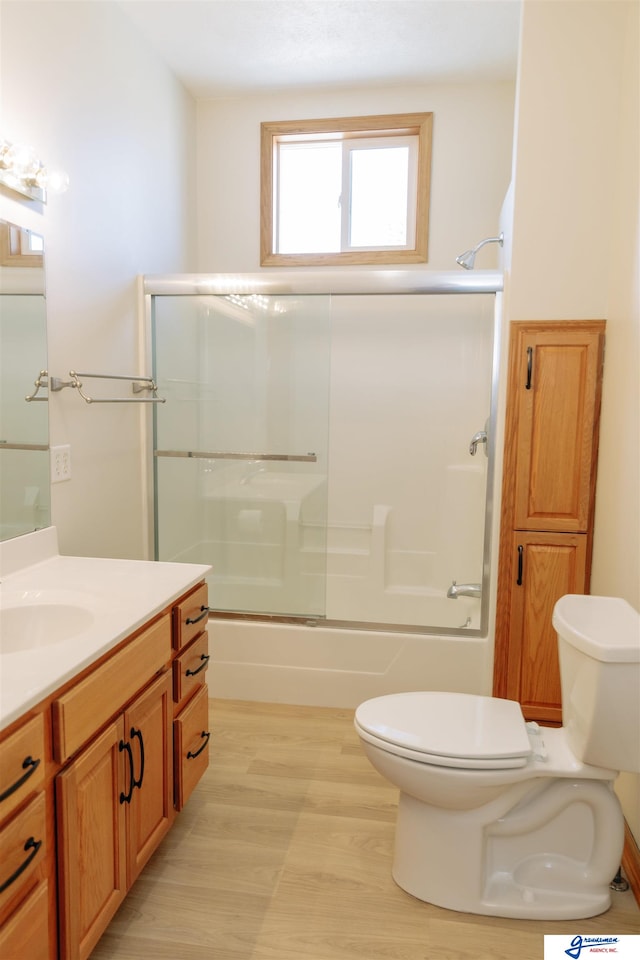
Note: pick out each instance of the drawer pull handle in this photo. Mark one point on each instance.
(138, 783)
(32, 845)
(30, 766)
(527, 385)
(126, 797)
(205, 610)
(192, 673)
(520, 564)
(205, 737)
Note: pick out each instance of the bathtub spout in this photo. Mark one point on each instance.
(464, 590)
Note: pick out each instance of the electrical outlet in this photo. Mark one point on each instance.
(60, 463)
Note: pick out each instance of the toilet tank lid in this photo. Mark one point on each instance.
(605, 628)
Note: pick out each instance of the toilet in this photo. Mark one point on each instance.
(502, 817)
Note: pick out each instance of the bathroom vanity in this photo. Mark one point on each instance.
(103, 734)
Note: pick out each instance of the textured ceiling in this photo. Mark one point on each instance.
(221, 48)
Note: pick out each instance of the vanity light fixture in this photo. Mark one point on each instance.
(22, 170)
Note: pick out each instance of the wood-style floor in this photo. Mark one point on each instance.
(284, 853)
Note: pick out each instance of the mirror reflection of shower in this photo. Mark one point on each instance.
(468, 258)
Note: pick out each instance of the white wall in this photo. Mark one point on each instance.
(574, 253)
(471, 157)
(81, 86)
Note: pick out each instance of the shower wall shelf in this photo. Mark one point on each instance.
(138, 385)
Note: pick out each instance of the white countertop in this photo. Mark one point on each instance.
(118, 596)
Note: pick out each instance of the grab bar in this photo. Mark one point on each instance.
(148, 383)
(204, 455)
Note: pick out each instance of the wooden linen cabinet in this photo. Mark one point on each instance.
(548, 497)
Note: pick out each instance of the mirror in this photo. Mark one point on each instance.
(24, 410)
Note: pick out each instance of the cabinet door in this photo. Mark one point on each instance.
(91, 842)
(557, 377)
(544, 567)
(149, 812)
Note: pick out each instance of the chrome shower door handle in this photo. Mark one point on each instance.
(479, 437)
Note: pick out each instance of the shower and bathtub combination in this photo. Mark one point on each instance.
(327, 444)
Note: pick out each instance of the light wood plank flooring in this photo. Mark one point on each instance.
(284, 853)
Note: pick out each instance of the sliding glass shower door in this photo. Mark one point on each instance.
(240, 446)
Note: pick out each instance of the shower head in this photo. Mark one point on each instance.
(467, 259)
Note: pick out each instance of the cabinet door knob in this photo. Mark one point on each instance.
(527, 385)
(520, 564)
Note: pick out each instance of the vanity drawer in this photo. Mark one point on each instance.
(190, 616)
(81, 712)
(22, 849)
(22, 761)
(26, 932)
(191, 745)
(189, 668)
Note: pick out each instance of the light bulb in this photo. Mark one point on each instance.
(57, 181)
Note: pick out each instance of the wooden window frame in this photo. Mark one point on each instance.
(351, 128)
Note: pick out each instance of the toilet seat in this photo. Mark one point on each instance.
(457, 730)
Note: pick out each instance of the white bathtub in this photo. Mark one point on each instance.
(334, 667)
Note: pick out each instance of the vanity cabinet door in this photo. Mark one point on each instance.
(92, 872)
(148, 725)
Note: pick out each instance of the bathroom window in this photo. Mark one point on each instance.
(352, 190)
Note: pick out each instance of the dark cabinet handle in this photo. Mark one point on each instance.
(520, 564)
(198, 619)
(205, 737)
(126, 797)
(138, 783)
(32, 845)
(527, 385)
(192, 673)
(30, 766)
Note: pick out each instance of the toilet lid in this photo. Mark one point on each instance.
(464, 728)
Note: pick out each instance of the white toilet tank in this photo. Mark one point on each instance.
(599, 649)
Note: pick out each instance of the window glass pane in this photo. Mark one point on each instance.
(379, 179)
(309, 197)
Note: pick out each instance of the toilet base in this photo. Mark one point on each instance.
(446, 858)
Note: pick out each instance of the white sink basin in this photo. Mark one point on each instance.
(28, 626)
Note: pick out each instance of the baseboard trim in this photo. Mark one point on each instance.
(631, 862)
